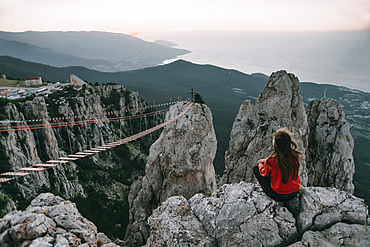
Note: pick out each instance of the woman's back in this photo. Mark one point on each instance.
(276, 179)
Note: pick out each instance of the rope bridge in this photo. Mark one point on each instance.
(7, 176)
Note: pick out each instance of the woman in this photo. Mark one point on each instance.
(278, 173)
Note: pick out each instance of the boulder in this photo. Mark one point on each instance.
(319, 208)
(242, 215)
(174, 224)
(340, 234)
(49, 221)
(235, 215)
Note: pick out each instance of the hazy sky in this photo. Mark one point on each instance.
(148, 16)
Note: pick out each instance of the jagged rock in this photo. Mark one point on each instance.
(279, 105)
(180, 162)
(174, 224)
(21, 149)
(340, 234)
(242, 215)
(319, 208)
(47, 220)
(235, 215)
(329, 160)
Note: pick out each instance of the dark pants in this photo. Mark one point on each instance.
(265, 183)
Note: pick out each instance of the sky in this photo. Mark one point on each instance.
(141, 17)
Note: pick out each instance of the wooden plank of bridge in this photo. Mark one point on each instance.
(3, 180)
(46, 165)
(77, 155)
(91, 151)
(15, 174)
(86, 152)
(31, 169)
(98, 149)
(67, 158)
(57, 161)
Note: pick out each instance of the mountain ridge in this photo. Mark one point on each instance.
(224, 90)
(124, 51)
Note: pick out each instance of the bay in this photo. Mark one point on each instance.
(339, 58)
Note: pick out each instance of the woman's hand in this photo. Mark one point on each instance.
(261, 161)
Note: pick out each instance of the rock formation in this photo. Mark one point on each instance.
(109, 173)
(242, 215)
(174, 224)
(22, 148)
(50, 221)
(279, 105)
(180, 163)
(340, 234)
(329, 160)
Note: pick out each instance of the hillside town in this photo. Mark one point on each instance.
(35, 86)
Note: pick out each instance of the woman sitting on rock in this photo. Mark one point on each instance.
(278, 173)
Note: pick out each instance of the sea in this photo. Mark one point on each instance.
(339, 58)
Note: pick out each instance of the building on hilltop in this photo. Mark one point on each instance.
(33, 81)
(75, 81)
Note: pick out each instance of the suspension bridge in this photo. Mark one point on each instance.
(82, 120)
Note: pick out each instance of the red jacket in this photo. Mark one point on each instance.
(276, 177)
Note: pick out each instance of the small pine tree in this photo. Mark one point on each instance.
(198, 99)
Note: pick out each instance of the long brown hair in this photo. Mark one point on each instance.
(287, 154)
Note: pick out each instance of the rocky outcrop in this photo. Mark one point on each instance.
(340, 234)
(329, 160)
(174, 224)
(279, 105)
(319, 208)
(108, 174)
(180, 163)
(237, 214)
(242, 215)
(50, 221)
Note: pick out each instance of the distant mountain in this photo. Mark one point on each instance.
(223, 90)
(165, 43)
(125, 52)
(50, 57)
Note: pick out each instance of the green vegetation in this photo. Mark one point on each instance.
(4, 159)
(4, 199)
(117, 168)
(3, 103)
(110, 216)
(11, 83)
(112, 100)
(198, 99)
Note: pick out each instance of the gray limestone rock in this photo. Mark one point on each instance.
(340, 234)
(49, 221)
(180, 162)
(242, 215)
(279, 105)
(319, 208)
(329, 160)
(174, 224)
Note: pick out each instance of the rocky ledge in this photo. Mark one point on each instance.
(242, 215)
(50, 221)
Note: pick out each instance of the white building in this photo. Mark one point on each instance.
(33, 81)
